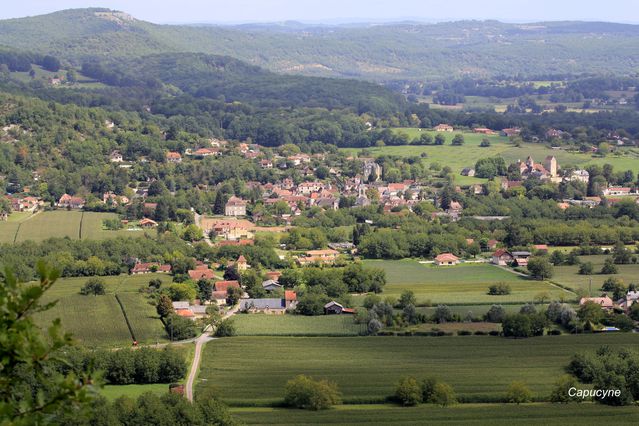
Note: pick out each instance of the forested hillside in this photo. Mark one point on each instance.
(381, 52)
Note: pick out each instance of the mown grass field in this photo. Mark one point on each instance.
(254, 370)
(98, 320)
(493, 414)
(458, 157)
(569, 275)
(462, 284)
(60, 224)
(296, 325)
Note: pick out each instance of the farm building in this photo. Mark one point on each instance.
(71, 202)
(604, 301)
(148, 223)
(502, 257)
(201, 274)
(265, 306)
(334, 308)
(468, 171)
(446, 259)
(147, 268)
(521, 257)
(444, 128)
(271, 285)
(225, 285)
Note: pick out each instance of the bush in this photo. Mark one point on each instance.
(518, 393)
(94, 286)
(306, 393)
(499, 289)
(609, 268)
(586, 268)
(496, 314)
(464, 333)
(408, 392)
(178, 328)
(443, 394)
(560, 393)
(226, 328)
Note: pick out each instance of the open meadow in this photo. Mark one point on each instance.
(459, 157)
(99, 320)
(493, 414)
(462, 284)
(568, 275)
(480, 368)
(59, 224)
(296, 325)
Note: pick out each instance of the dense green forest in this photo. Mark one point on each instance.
(383, 52)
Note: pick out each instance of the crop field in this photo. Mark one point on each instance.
(569, 275)
(480, 368)
(98, 320)
(92, 320)
(457, 157)
(462, 284)
(296, 325)
(143, 318)
(59, 224)
(494, 414)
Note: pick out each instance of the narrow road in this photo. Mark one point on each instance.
(198, 222)
(199, 344)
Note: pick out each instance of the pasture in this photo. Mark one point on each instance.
(254, 370)
(98, 320)
(462, 284)
(494, 414)
(296, 325)
(459, 157)
(59, 224)
(569, 276)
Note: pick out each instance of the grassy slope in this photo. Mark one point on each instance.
(463, 284)
(98, 320)
(494, 414)
(366, 368)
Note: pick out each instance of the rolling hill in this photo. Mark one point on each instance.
(375, 52)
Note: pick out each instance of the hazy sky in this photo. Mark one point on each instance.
(233, 11)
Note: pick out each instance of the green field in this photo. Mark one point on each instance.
(493, 414)
(462, 284)
(60, 224)
(569, 275)
(254, 370)
(296, 325)
(98, 320)
(466, 156)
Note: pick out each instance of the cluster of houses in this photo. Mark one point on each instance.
(608, 304)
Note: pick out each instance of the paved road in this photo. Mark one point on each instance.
(199, 344)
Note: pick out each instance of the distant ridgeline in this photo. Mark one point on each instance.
(374, 52)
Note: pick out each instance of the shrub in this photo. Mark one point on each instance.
(304, 392)
(178, 328)
(609, 268)
(560, 393)
(586, 268)
(518, 393)
(94, 286)
(496, 313)
(428, 387)
(225, 328)
(464, 333)
(443, 394)
(499, 289)
(408, 392)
